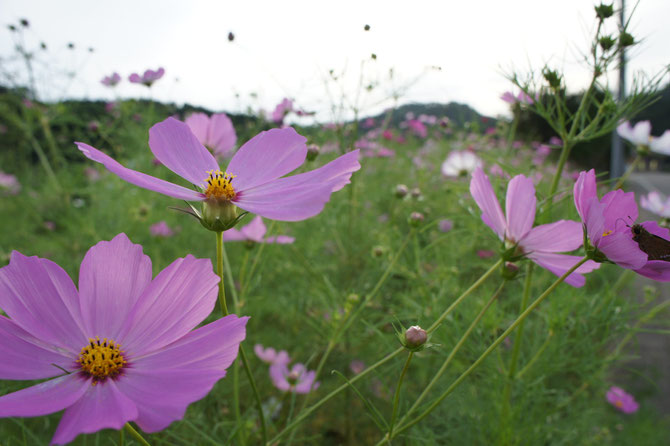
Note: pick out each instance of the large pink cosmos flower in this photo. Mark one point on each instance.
(122, 348)
(216, 132)
(252, 180)
(541, 243)
(609, 222)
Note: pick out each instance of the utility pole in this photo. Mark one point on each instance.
(617, 156)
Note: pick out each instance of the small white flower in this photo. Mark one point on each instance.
(460, 163)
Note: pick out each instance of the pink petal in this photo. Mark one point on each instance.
(26, 357)
(112, 277)
(44, 398)
(139, 179)
(179, 298)
(198, 123)
(584, 190)
(655, 229)
(620, 209)
(560, 236)
(559, 264)
(173, 143)
(221, 133)
(255, 230)
(482, 192)
(103, 406)
(266, 157)
(620, 248)
(658, 270)
(233, 235)
(661, 144)
(520, 207)
(41, 299)
(280, 239)
(300, 196)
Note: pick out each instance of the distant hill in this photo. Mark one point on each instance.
(458, 114)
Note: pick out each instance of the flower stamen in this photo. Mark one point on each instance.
(101, 359)
(218, 185)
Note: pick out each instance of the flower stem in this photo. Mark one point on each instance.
(219, 268)
(396, 397)
(224, 309)
(136, 434)
(492, 347)
(627, 173)
(565, 152)
(453, 352)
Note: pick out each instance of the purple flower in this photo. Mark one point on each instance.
(252, 180)
(623, 401)
(122, 348)
(111, 81)
(9, 184)
(161, 229)
(298, 379)
(609, 223)
(418, 128)
(541, 243)
(270, 355)
(216, 132)
(356, 366)
(254, 232)
(522, 98)
(281, 110)
(148, 78)
(656, 203)
(445, 225)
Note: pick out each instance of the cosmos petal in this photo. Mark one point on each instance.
(482, 192)
(520, 207)
(44, 398)
(559, 264)
(560, 236)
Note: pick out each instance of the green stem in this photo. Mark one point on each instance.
(492, 347)
(122, 440)
(627, 173)
(307, 412)
(565, 153)
(465, 294)
(396, 397)
(539, 352)
(136, 434)
(219, 268)
(229, 273)
(224, 310)
(453, 352)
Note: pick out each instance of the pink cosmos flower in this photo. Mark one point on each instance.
(485, 253)
(253, 179)
(622, 400)
(270, 355)
(298, 379)
(281, 110)
(460, 163)
(640, 135)
(356, 366)
(387, 135)
(445, 225)
(255, 232)
(418, 128)
(656, 203)
(111, 81)
(161, 229)
(608, 223)
(216, 133)
(541, 243)
(148, 78)
(522, 98)
(116, 345)
(9, 184)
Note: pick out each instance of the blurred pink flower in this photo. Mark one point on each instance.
(356, 366)
(418, 128)
(270, 355)
(298, 379)
(656, 203)
(112, 80)
(255, 232)
(640, 135)
(161, 229)
(445, 225)
(281, 110)
(623, 401)
(215, 133)
(9, 184)
(485, 253)
(148, 78)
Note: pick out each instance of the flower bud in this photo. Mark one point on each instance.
(552, 77)
(401, 191)
(509, 270)
(312, 152)
(626, 39)
(219, 215)
(416, 218)
(606, 42)
(604, 11)
(378, 251)
(415, 337)
(416, 192)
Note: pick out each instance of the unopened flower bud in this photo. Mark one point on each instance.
(378, 251)
(606, 42)
(604, 11)
(416, 218)
(415, 337)
(401, 191)
(510, 270)
(366, 28)
(24, 23)
(626, 39)
(312, 152)
(552, 77)
(416, 192)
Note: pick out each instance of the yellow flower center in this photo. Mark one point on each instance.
(101, 359)
(219, 185)
(619, 403)
(608, 232)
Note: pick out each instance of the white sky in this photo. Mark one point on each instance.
(285, 48)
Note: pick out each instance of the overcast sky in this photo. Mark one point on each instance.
(286, 48)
